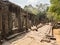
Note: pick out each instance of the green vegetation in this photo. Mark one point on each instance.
(54, 10)
(31, 9)
(43, 11)
(39, 10)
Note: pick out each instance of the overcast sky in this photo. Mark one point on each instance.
(22, 3)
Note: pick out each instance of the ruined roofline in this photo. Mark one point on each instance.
(4, 0)
(15, 5)
(7, 2)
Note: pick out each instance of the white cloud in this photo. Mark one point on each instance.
(32, 1)
(22, 3)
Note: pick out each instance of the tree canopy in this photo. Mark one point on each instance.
(54, 9)
(39, 10)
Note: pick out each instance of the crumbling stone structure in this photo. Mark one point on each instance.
(13, 19)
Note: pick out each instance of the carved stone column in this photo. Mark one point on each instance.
(19, 18)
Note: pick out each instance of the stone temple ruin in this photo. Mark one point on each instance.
(13, 19)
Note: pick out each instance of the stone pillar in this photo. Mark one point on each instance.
(19, 19)
(5, 21)
(0, 27)
(10, 22)
(27, 22)
(5, 25)
(0, 22)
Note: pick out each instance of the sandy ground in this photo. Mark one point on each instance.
(33, 38)
(57, 35)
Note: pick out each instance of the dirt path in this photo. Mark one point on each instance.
(57, 35)
(35, 37)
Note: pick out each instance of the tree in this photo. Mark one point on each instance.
(31, 9)
(42, 7)
(40, 11)
(54, 9)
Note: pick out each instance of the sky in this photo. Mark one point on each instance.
(22, 3)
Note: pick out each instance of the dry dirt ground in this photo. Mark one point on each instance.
(57, 35)
(34, 38)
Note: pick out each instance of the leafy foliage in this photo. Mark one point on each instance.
(40, 11)
(31, 9)
(54, 9)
